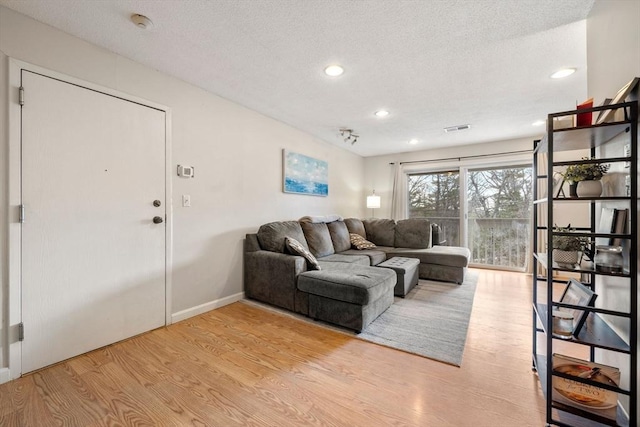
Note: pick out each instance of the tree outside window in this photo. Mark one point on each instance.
(499, 210)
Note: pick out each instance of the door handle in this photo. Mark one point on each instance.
(157, 220)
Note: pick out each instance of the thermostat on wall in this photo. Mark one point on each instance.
(185, 171)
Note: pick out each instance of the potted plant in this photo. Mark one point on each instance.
(566, 248)
(586, 178)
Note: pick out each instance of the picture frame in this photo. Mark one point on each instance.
(577, 294)
(619, 225)
(304, 174)
(605, 225)
(601, 113)
(558, 184)
(620, 97)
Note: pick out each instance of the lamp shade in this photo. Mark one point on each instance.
(373, 202)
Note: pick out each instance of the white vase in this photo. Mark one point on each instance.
(565, 257)
(589, 189)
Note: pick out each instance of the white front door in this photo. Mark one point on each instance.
(93, 260)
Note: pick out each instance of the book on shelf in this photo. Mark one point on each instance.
(585, 397)
(584, 119)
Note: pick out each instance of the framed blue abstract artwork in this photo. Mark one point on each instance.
(305, 175)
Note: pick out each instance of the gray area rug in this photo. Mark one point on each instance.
(431, 321)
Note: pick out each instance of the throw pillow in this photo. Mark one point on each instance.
(360, 242)
(296, 248)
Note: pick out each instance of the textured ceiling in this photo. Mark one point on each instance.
(431, 63)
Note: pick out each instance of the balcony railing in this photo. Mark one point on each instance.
(499, 242)
(502, 242)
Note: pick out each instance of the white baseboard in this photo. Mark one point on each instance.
(5, 375)
(207, 306)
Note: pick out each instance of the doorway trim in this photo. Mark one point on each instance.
(11, 345)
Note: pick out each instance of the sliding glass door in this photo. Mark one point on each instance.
(488, 210)
(498, 216)
(437, 196)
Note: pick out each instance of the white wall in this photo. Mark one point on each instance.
(613, 58)
(613, 46)
(237, 154)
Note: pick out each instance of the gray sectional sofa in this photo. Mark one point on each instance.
(347, 289)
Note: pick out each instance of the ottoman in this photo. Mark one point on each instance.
(347, 294)
(407, 271)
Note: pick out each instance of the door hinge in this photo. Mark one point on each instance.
(21, 96)
(22, 214)
(20, 331)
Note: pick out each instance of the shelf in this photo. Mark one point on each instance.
(590, 161)
(590, 234)
(582, 137)
(595, 332)
(573, 416)
(588, 199)
(598, 334)
(542, 259)
(582, 199)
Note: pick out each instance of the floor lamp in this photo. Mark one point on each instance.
(373, 202)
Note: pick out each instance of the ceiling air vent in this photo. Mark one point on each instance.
(455, 128)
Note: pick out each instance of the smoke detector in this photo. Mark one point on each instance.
(141, 21)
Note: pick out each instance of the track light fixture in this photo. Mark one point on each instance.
(349, 136)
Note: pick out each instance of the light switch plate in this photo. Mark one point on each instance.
(186, 201)
(627, 153)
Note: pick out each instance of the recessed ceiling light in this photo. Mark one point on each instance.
(413, 141)
(141, 21)
(538, 123)
(334, 70)
(563, 73)
(381, 113)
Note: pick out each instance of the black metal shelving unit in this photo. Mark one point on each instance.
(597, 334)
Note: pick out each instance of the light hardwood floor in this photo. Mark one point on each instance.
(244, 366)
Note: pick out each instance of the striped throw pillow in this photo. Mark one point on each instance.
(294, 247)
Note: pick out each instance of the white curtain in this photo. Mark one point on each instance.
(399, 193)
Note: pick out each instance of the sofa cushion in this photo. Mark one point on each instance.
(318, 238)
(380, 231)
(376, 256)
(339, 235)
(350, 283)
(355, 225)
(413, 233)
(359, 242)
(295, 248)
(452, 256)
(271, 236)
(348, 259)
